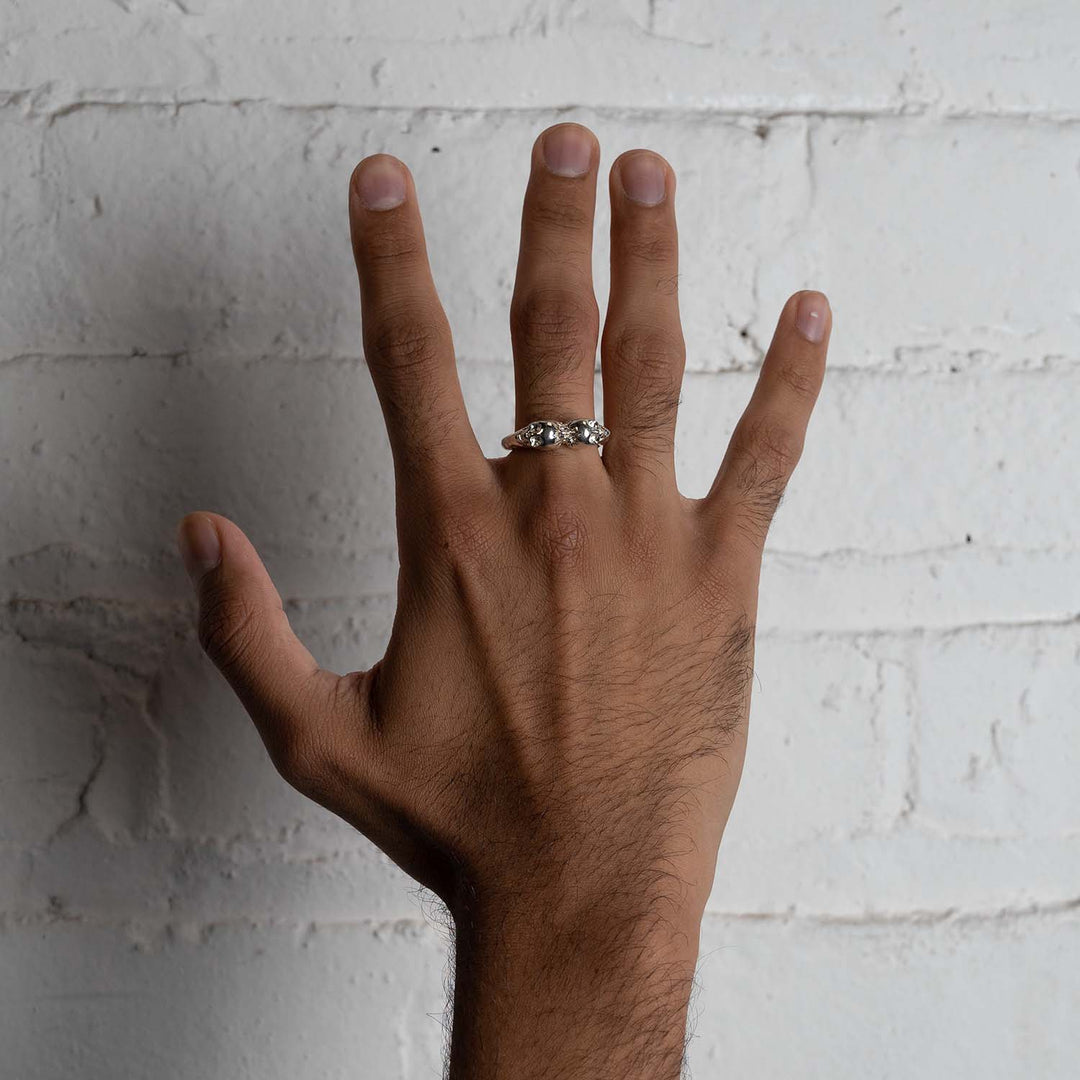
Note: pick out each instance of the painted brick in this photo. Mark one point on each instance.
(898, 887)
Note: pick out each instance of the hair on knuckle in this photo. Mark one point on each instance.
(760, 493)
(772, 441)
(427, 424)
(648, 436)
(652, 407)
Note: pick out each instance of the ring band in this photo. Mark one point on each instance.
(548, 434)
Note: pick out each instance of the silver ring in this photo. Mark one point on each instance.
(548, 434)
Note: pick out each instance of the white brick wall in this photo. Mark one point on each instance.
(899, 893)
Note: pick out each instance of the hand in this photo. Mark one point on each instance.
(553, 740)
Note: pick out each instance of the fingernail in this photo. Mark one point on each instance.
(812, 316)
(643, 178)
(200, 547)
(568, 150)
(380, 183)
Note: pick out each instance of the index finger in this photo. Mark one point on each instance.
(407, 340)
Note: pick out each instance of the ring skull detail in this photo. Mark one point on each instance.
(548, 434)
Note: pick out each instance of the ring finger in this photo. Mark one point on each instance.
(554, 319)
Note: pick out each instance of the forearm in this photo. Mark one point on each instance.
(592, 999)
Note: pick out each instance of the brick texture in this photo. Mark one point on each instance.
(899, 889)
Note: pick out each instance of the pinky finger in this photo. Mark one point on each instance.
(768, 439)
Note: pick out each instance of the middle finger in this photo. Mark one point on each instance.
(554, 319)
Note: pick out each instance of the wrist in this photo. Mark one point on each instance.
(607, 934)
(562, 989)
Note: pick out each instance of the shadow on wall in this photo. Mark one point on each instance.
(136, 804)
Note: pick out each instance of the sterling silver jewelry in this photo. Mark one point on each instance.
(548, 434)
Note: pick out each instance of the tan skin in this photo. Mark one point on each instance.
(554, 737)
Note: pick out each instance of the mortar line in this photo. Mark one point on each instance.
(23, 97)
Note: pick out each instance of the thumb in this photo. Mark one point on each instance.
(243, 627)
(245, 631)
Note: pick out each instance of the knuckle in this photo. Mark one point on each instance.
(303, 762)
(645, 347)
(655, 249)
(558, 529)
(556, 324)
(464, 531)
(319, 747)
(228, 629)
(801, 378)
(555, 212)
(401, 339)
(772, 448)
(392, 245)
